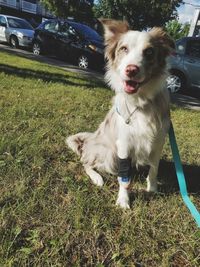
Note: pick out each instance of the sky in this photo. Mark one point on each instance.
(186, 11)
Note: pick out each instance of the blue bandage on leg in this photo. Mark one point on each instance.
(124, 169)
(125, 179)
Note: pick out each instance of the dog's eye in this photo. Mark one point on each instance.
(149, 52)
(124, 49)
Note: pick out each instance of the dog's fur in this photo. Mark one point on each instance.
(143, 138)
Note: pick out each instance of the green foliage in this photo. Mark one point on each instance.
(140, 14)
(177, 30)
(81, 10)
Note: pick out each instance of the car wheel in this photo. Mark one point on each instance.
(175, 82)
(37, 49)
(83, 62)
(14, 43)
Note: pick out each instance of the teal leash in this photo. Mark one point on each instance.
(181, 177)
(180, 174)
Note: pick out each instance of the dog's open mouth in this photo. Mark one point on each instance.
(131, 87)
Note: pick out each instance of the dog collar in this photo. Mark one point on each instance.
(127, 120)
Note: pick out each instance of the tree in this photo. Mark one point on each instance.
(177, 30)
(79, 9)
(140, 14)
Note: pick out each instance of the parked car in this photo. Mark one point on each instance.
(15, 31)
(185, 65)
(69, 40)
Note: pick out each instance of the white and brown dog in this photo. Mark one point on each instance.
(134, 130)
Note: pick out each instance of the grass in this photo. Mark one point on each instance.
(51, 214)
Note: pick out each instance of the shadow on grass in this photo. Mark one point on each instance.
(48, 76)
(168, 179)
(185, 101)
(95, 73)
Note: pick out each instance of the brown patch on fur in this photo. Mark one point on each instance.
(150, 61)
(113, 29)
(119, 54)
(156, 66)
(107, 122)
(164, 45)
(79, 143)
(162, 40)
(94, 161)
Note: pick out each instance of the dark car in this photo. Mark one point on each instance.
(185, 65)
(69, 40)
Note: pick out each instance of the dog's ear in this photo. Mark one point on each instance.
(112, 28)
(162, 39)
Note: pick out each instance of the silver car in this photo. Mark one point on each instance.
(15, 31)
(185, 65)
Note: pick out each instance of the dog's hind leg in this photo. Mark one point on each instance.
(75, 142)
(95, 177)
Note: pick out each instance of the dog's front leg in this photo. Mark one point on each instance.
(153, 171)
(124, 173)
(152, 178)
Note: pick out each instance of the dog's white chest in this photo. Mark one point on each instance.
(141, 134)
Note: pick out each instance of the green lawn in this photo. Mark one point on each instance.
(51, 214)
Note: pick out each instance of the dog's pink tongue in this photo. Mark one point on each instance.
(130, 87)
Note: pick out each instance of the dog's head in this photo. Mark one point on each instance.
(135, 58)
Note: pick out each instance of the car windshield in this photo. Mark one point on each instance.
(19, 23)
(86, 31)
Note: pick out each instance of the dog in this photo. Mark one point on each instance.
(134, 130)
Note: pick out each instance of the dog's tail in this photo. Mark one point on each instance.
(75, 142)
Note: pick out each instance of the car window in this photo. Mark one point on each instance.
(67, 30)
(180, 46)
(64, 29)
(2, 20)
(51, 26)
(19, 23)
(86, 31)
(193, 48)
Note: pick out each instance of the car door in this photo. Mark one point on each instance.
(48, 36)
(192, 61)
(63, 41)
(67, 40)
(3, 24)
(77, 44)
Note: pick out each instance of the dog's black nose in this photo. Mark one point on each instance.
(132, 70)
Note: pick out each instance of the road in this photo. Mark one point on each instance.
(51, 61)
(178, 99)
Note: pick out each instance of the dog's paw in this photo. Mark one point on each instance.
(123, 203)
(97, 180)
(94, 176)
(152, 188)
